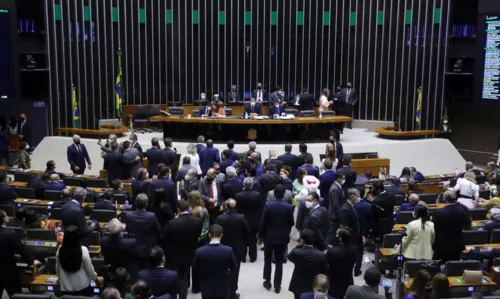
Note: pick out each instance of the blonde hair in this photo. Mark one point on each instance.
(471, 176)
(194, 198)
(191, 149)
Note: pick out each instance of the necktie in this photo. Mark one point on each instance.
(78, 147)
(253, 107)
(335, 148)
(212, 194)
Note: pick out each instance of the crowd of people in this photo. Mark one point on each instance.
(192, 225)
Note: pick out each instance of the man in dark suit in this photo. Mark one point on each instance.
(211, 192)
(77, 155)
(144, 226)
(208, 156)
(179, 240)
(269, 180)
(164, 183)
(189, 183)
(303, 154)
(230, 146)
(10, 244)
(252, 108)
(117, 188)
(260, 94)
(274, 230)
(250, 204)
(118, 251)
(255, 159)
(349, 218)
(206, 110)
(416, 175)
(276, 109)
(106, 202)
(252, 148)
(181, 173)
(115, 164)
(233, 95)
(337, 146)
(226, 160)
(65, 198)
(200, 144)
(395, 186)
(383, 209)
(72, 213)
(308, 262)
(139, 185)
(336, 199)
(341, 259)
(309, 167)
(161, 281)
(448, 225)
(306, 100)
(350, 95)
(106, 148)
(38, 184)
(24, 129)
(370, 289)
(233, 185)
(317, 221)
(54, 183)
(273, 160)
(4, 149)
(155, 156)
(134, 144)
(348, 172)
(326, 179)
(7, 193)
(236, 233)
(289, 159)
(170, 156)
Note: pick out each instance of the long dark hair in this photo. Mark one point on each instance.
(121, 280)
(421, 212)
(164, 212)
(405, 173)
(440, 286)
(418, 286)
(70, 252)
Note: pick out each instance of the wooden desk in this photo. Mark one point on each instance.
(373, 165)
(17, 184)
(240, 121)
(440, 176)
(475, 225)
(103, 132)
(457, 282)
(495, 274)
(428, 188)
(38, 202)
(470, 247)
(11, 170)
(391, 133)
(429, 206)
(40, 284)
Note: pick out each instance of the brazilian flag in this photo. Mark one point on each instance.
(118, 86)
(419, 109)
(76, 109)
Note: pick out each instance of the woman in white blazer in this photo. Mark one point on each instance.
(420, 236)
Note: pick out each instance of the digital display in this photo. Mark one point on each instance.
(491, 78)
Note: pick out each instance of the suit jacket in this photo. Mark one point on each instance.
(290, 160)
(267, 183)
(339, 152)
(120, 252)
(170, 191)
(190, 186)
(231, 187)
(155, 156)
(55, 186)
(418, 242)
(72, 214)
(161, 281)
(132, 165)
(288, 197)
(4, 143)
(276, 162)
(104, 205)
(394, 190)
(308, 262)
(311, 170)
(7, 195)
(60, 203)
(10, 244)
(492, 225)
(265, 95)
(350, 177)
(349, 217)
(25, 130)
(273, 110)
(38, 184)
(325, 182)
(310, 295)
(318, 222)
(179, 240)
(224, 164)
(350, 96)
(205, 111)
(276, 223)
(236, 233)
(336, 200)
(385, 200)
(144, 225)
(170, 159)
(306, 102)
(364, 210)
(361, 180)
(341, 260)
(77, 157)
(233, 96)
(115, 165)
(448, 225)
(205, 191)
(249, 203)
(199, 147)
(259, 169)
(207, 157)
(256, 109)
(419, 177)
(365, 292)
(181, 173)
(140, 186)
(214, 264)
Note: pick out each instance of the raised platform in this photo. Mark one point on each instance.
(103, 132)
(429, 156)
(392, 133)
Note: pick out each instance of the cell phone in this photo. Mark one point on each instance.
(470, 289)
(485, 280)
(92, 284)
(50, 288)
(385, 283)
(52, 279)
(37, 243)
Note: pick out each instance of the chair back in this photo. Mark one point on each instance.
(8, 209)
(52, 195)
(141, 113)
(93, 239)
(478, 213)
(456, 268)
(76, 297)
(154, 110)
(495, 236)
(119, 199)
(74, 182)
(24, 192)
(96, 183)
(496, 261)
(391, 239)
(51, 265)
(294, 112)
(103, 215)
(404, 217)
(56, 214)
(307, 113)
(428, 198)
(485, 194)
(41, 234)
(328, 113)
(195, 113)
(23, 177)
(18, 230)
(176, 111)
(100, 266)
(472, 237)
(411, 267)
(40, 210)
(480, 179)
(90, 197)
(399, 200)
(229, 111)
(32, 296)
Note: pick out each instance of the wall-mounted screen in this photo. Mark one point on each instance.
(491, 76)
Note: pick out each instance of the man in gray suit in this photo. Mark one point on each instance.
(106, 148)
(286, 198)
(370, 289)
(130, 154)
(186, 165)
(211, 192)
(336, 199)
(189, 182)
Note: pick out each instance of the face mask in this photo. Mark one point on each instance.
(188, 178)
(217, 171)
(309, 205)
(234, 89)
(445, 122)
(277, 105)
(320, 295)
(203, 97)
(77, 141)
(349, 86)
(343, 182)
(210, 179)
(284, 176)
(27, 146)
(21, 119)
(358, 200)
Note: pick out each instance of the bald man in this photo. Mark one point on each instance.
(54, 183)
(409, 206)
(236, 232)
(211, 192)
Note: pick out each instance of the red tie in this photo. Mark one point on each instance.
(212, 205)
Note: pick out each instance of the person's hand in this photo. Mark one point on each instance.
(99, 142)
(90, 167)
(330, 246)
(78, 168)
(211, 200)
(21, 136)
(181, 185)
(363, 240)
(137, 158)
(36, 263)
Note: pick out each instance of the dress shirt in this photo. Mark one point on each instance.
(215, 242)
(214, 191)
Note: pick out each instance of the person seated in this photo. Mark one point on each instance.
(39, 183)
(444, 127)
(31, 220)
(54, 183)
(252, 109)
(117, 186)
(106, 202)
(495, 220)
(121, 283)
(92, 224)
(363, 178)
(51, 168)
(18, 219)
(276, 109)
(206, 110)
(405, 176)
(321, 285)
(372, 279)
(414, 189)
(161, 280)
(141, 290)
(218, 109)
(413, 201)
(395, 186)
(65, 198)
(440, 286)
(416, 175)
(7, 193)
(470, 166)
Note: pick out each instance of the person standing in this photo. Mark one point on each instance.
(337, 147)
(211, 191)
(77, 155)
(274, 230)
(24, 129)
(72, 213)
(324, 103)
(417, 244)
(233, 185)
(233, 95)
(269, 180)
(216, 264)
(349, 218)
(165, 183)
(341, 260)
(236, 233)
(351, 98)
(289, 159)
(336, 199)
(317, 221)
(260, 94)
(132, 158)
(306, 100)
(10, 244)
(468, 190)
(321, 285)
(308, 261)
(155, 156)
(326, 179)
(250, 204)
(161, 281)
(208, 156)
(348, 172)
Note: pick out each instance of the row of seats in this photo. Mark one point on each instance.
(69, 181)
(54, 195)
(47, 296)
(406, 217)
(471, 237)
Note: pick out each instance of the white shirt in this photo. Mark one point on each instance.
(259, 95)
(72, 282)
(322, 166)
(323, 102)
(214, 242)
(195, 161)
(468, 189)
(214, 188)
